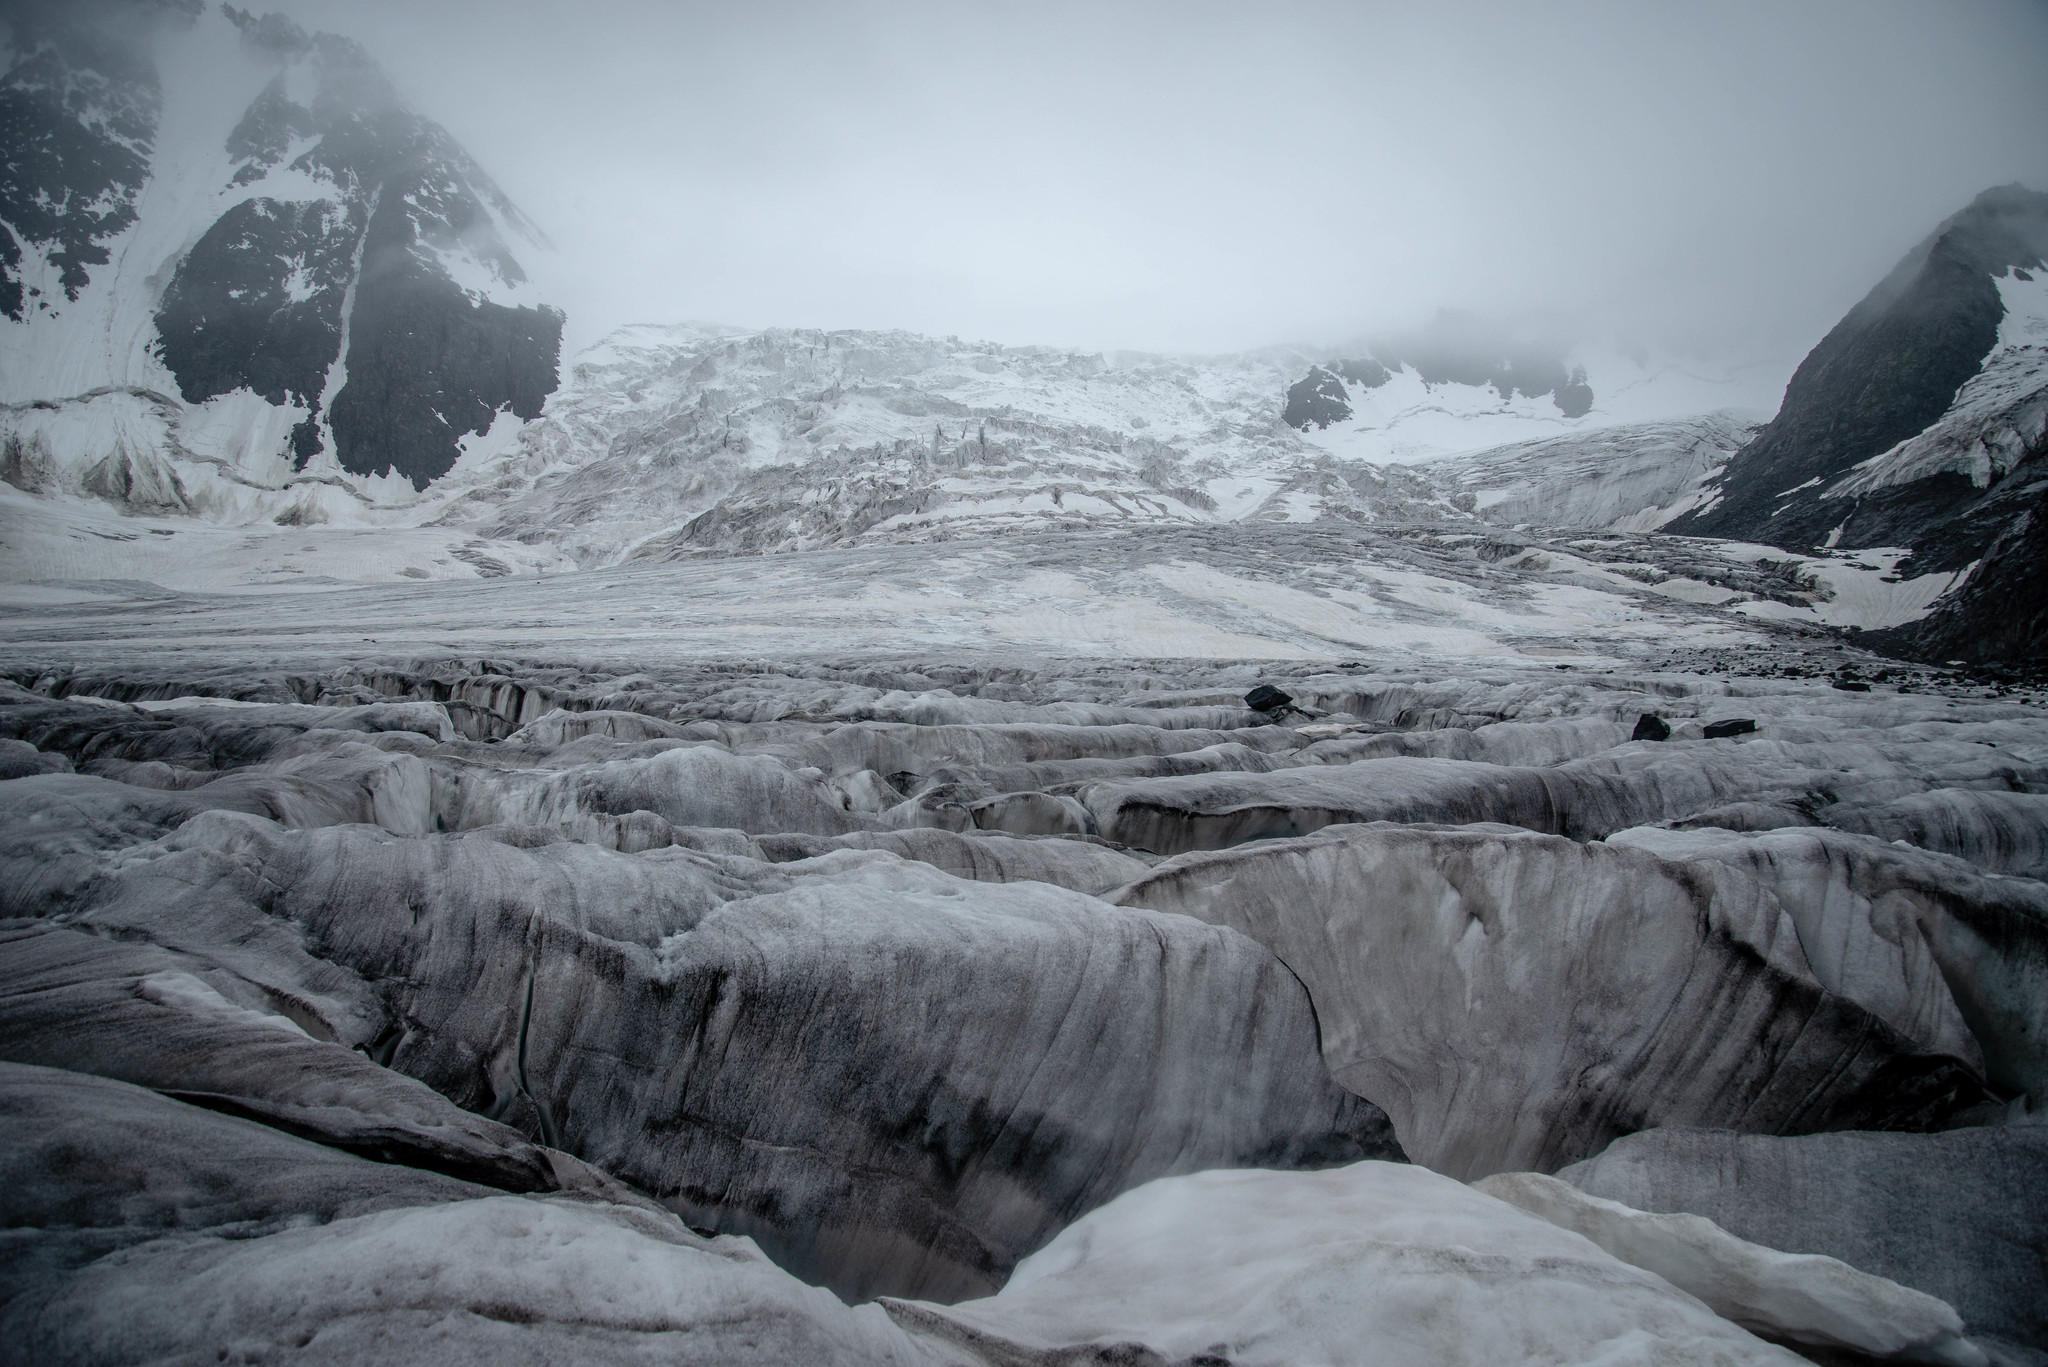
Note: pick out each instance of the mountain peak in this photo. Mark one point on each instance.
(335, 255)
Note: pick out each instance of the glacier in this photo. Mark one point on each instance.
(778, 844)
(761, 976)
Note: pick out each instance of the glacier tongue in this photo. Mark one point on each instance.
(448, 989)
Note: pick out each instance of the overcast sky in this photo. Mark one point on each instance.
(1217, 176)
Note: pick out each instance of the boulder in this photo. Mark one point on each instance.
(1266, 698)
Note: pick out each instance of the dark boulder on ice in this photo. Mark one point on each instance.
(1266, 698)
(1733, 726)
(1650, 726)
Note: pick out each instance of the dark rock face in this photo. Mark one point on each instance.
(427, 363)
(1318, 398)
(1918, 362)
(1887, 371)
(78, 118)
(1650, 726)
(1366, 374)
(259, 301)
(2000, 614)
(1457, 348)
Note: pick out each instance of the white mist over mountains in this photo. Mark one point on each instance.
(1209, 178)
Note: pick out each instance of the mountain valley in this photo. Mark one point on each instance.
(744, 845)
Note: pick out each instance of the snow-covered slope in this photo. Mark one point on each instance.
(697, 440)
(702, 443)
(1632, 477)
(694, 440)
(235, 244)
(1459, 386)
(249, 292)
(702, 440)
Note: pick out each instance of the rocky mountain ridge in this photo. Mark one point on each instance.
(1920, 423)
(235, 256)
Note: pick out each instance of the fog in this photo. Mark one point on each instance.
(1197, 177)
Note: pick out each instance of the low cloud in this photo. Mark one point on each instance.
(1213, 177)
